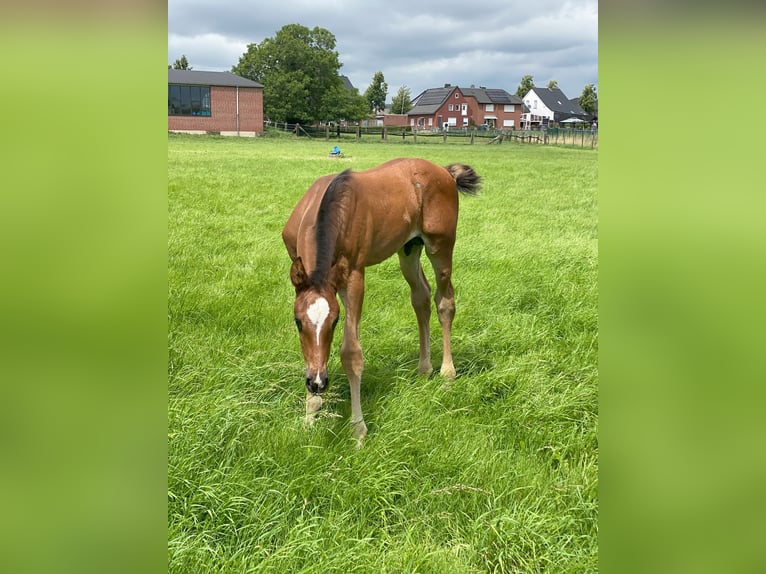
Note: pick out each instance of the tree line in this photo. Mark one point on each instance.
(300, 71)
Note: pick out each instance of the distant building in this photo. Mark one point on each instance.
(550, 105)
(455, 107)
(214, 102)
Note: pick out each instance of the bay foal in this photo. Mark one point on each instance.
(352, 220)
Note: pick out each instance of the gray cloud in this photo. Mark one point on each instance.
(421, 45)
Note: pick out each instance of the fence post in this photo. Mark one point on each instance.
(414, 136)
(473, 133)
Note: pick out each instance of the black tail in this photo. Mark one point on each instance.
(467, 180)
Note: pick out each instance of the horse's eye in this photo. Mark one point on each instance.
(298, 324)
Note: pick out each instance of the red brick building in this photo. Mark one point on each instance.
(214, 102)
(453, 107)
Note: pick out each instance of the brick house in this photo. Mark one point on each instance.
(455, 107)
(214, 102)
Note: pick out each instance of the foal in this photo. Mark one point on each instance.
(350, 221)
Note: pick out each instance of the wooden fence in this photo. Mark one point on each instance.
(585, 138)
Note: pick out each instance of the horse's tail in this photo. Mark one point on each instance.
(467, 180)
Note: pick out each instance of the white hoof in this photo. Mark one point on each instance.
(359, 431)
(313, 404)
(448, 371)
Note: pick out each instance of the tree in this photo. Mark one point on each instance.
(299, 72)
(376, 93)
(401, 103)
(347, 104)
(526, 84)
(181, 63)
(553, 85)
(589, 98)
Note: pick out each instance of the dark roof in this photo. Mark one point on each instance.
(429, 101)
(503, 97)
(556, 101)
(492, 96)
(197, 78)
(347, 83)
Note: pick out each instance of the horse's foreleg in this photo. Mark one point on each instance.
(351, 350)
(420, 297)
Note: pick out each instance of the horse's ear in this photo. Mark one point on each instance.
(298, 275)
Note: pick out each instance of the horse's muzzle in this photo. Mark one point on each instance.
(316, 382)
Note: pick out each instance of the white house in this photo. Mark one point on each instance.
(547, 105)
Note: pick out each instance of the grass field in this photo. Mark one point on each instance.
(496, 473)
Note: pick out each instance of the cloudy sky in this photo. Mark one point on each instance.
(423, 44)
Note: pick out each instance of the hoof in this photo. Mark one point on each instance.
(359, 431)
(425, 369)
(313, 404)
(448, 371)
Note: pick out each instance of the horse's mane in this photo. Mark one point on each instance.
(328, 223)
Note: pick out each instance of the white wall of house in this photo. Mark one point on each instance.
(536, 105)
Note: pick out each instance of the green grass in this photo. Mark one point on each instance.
(496, 473)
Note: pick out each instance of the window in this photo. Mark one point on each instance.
(509, 108)
(450, 107)
(188, 100)
(457, 95)
(465, 122)
(489, 107)
(465, 107)
(507, 123)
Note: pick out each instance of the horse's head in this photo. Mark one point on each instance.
(316, 315)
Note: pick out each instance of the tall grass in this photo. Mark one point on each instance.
(496, 472)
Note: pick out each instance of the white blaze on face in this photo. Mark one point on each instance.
(317, 314)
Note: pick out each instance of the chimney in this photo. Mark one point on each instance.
(447, 85)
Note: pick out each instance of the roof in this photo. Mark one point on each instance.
(197, 78)
(556, 101)
(492, 96)
(429, 101)
(347, 83)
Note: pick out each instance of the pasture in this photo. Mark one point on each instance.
(495, 472)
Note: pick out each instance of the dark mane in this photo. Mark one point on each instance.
(328, 223)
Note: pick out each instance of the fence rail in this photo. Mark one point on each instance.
(467, 136)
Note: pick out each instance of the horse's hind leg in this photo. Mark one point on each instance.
(440, 254)
(420, 296)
